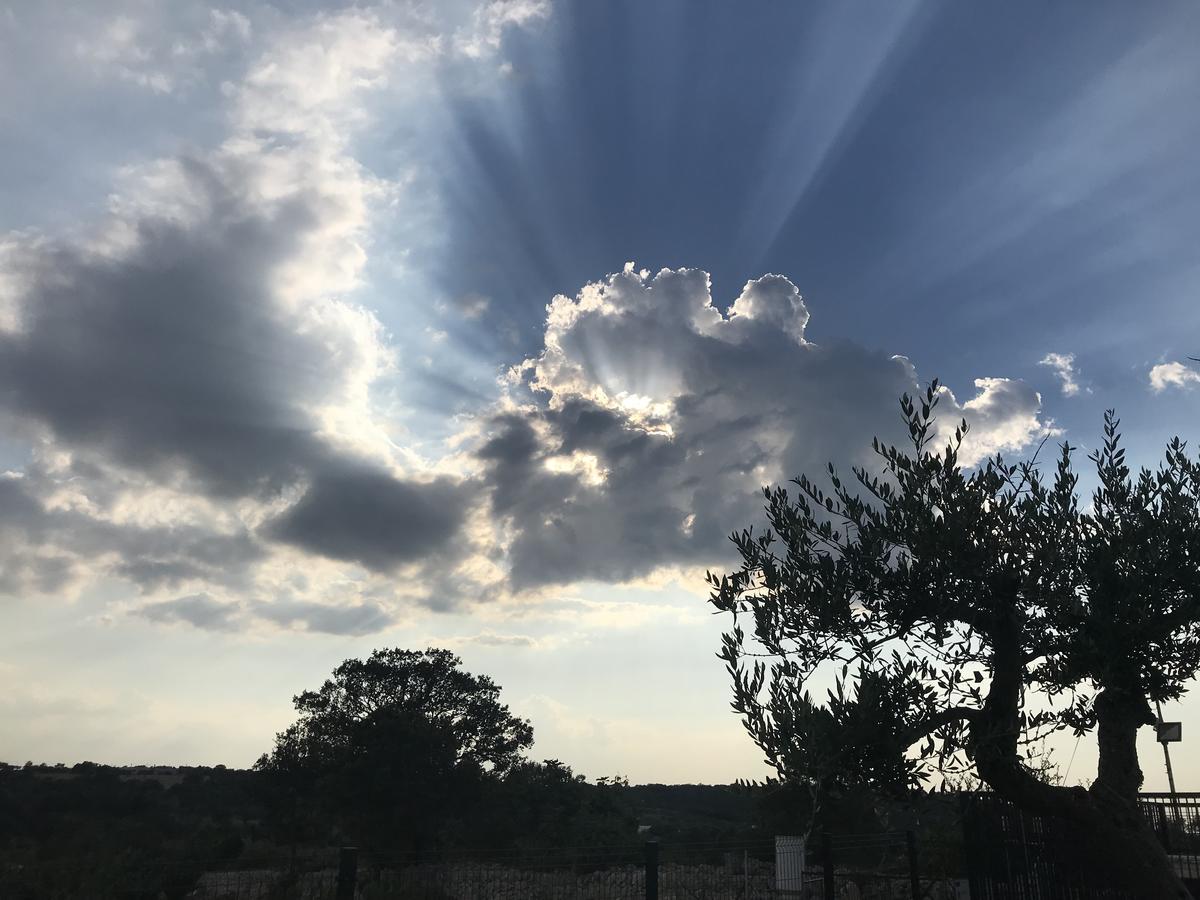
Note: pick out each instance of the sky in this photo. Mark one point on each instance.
(333, 326)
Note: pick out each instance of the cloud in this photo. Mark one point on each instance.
(196, 377)
(158, 50)
(49, 539)
(327, 618)
(198, 610)
(489, 20)
(178, 350)
(640, 436)
(1063, 365)
(471, 305)
(301, 84)
(370, 517)
(1003, 415)
(1173, 374)
(186, 343)
(489, 639)
(200, 345)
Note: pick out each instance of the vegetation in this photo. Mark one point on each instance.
(400, 753)
(962, 615)
(395, 749)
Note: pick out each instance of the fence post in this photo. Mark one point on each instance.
(914, 873)
(347, 876)
(651, 848)
(827, 865)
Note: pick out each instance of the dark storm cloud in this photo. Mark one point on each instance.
(174, 355)
(174, 358)
(515, 444)
(372, 518)
(567, 530)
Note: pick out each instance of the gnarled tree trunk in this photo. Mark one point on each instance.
(1122, 844)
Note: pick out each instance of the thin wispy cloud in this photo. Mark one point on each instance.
(1063, 366)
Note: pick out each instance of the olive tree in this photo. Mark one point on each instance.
(961, 615)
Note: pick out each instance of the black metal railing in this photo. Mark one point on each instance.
(1175, 818)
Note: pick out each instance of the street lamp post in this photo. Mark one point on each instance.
(1168, 733)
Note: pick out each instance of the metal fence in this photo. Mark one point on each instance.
(858, 866)
(882, 866)
(1014, 854)
(1003, 854)
(102, 879)
(1175, 818)
(587, 873)
(676, 871)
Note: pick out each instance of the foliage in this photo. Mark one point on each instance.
(394, 690)
(546, 805)
(962, 615)
(402, 751)
(397, 747)
(92, 830)
(1135, 619)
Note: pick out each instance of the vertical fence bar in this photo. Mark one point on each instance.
(651, 848)
(914, 872)
(347, 877)
(827, 865)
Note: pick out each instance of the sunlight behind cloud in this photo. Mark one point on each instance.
(318, 329)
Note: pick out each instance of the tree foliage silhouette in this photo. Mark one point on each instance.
(960, 616)
(398, 745)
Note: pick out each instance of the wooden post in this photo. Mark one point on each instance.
(914, 873)
(827, 865)
(651, 870)
(347, 876)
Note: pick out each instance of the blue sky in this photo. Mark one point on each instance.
(330, 326)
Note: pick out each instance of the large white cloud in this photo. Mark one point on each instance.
(640, 436)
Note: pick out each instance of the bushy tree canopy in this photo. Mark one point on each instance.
(398, 746)
(421, 692)
(961, 614)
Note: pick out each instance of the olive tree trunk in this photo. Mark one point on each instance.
(1123, 846)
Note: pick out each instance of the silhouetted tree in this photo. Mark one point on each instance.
(961, 615)
(396, 746)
